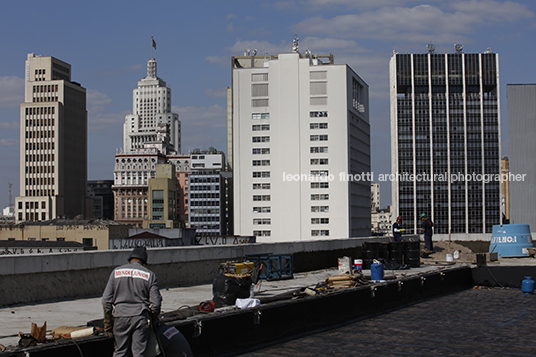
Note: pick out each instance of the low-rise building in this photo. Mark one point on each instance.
(90, 233)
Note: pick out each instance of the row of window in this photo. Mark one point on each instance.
(40, 146)
(39, 193)
(39, 169)
(40, 110)
(39, 134)
(44, 99)
(32, 205)
(268, 209)
(40, 181)
(261, 162)
(45, 88)
(260, 127)
(314, 197)
(314, 114)
(320, 232)
(39, 158)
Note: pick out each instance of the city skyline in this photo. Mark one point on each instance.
(108, 48)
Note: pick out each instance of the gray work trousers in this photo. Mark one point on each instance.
(131, 334)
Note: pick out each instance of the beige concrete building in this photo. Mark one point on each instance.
(53, 143)
(162, 199)
(182, 170)
(91, 233)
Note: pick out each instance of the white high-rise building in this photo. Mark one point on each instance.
(151, 105)
(299, 148)
(53, 143)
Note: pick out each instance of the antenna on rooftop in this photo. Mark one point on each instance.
(10, 202)
(430, 48)
(458, 48)
(295, 44)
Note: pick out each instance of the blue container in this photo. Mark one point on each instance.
(511, 240)
(527, 285)
(376, 271)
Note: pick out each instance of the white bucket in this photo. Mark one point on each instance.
(450, 258)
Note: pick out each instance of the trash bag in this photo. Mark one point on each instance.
(227, 288)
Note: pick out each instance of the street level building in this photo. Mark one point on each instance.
(131, 182)
(300, 147)
(182, 167)
(162, 199)
(53, 143)
(102, 195)
(92, 234)
(445, 146)
(207, 190)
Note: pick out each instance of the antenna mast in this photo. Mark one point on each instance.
(10, 203)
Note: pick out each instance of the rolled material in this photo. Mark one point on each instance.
(82, 333)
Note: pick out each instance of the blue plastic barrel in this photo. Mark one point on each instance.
(376, 271)
(527, 285)
(511, 240)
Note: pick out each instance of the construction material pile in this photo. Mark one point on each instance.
(345, 281)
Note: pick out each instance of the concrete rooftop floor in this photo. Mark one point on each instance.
(417, 329)
(474, 322)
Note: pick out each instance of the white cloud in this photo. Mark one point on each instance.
(11, 91)
(217, 59)
(317, 5)
(489, 11)
(262, 47)
(319, 45)
(15, 125)
(104, 120)
(9, 142)
(97, 99)
(202, 127)
(416, 24)
(216, 93)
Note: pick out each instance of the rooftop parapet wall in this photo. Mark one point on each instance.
(46, 277)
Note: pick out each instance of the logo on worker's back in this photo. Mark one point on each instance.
(133, 273)
(170, 332)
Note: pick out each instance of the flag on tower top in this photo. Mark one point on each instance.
(153, 42)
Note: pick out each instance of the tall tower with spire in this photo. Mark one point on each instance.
(151, 106)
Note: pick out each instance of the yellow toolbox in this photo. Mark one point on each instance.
(237, 267)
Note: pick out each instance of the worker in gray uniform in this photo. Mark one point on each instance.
(130, 299)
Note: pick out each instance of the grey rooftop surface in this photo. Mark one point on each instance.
(78, 312)
(473, 322)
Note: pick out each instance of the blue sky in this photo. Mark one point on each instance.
(108, 44)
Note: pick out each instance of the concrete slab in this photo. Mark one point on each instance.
(78, 312)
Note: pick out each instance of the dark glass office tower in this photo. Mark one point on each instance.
(445, 139)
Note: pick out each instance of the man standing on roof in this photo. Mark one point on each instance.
(426, 228)
(397, 231)
(129, 299)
